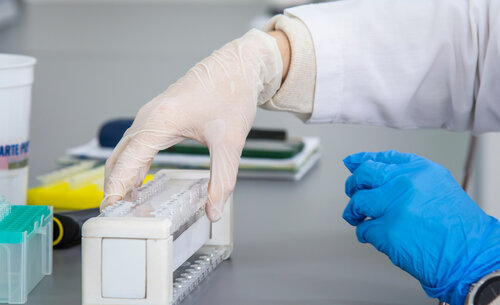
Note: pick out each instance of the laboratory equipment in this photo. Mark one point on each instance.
(155, 246)
(16, 78)
(25, 249)
(75, 187)
(72, 188)
(68, 226)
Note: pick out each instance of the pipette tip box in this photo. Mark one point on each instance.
(156, 246)
(25, 249)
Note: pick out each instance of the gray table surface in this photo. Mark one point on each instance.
(103, 60)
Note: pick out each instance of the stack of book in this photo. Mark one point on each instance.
(267, 153)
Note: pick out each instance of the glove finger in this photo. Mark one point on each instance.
(353, 161)
(365, 203)
(373, 231)
(368, 175)
(111, 161)
(110, 164)
(224, 162)
(132, 164)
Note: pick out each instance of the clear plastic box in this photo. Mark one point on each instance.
(25, 249)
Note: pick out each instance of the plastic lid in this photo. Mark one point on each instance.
(12, 61)
(21, 220)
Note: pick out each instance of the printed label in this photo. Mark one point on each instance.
(13, 156)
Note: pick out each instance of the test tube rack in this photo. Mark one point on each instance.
(156, 246)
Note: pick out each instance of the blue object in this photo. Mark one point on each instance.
(112, 131)
(413, 210)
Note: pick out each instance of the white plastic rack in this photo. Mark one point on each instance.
(157, 245)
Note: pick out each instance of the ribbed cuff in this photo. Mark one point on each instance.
(296, 93)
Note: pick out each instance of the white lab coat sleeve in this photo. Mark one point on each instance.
(296, 93)
(406, 64)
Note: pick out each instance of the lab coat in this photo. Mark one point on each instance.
(406, 64)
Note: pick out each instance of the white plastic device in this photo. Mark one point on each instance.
(155, 247)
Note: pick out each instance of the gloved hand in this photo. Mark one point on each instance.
(413, 210)
(215, 104)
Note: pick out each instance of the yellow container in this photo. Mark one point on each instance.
(75, 188)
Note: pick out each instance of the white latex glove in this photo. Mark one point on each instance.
(215, 104)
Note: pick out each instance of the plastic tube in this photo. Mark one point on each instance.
(179, 207)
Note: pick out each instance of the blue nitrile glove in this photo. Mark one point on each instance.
(413, 210)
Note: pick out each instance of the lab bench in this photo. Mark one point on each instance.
(291, 247)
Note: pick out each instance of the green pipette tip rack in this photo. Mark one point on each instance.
(16, 221)
(25, 249)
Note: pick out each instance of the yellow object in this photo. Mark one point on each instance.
(77, 191)
(61, 231)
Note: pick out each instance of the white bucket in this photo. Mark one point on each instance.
(16, 78)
